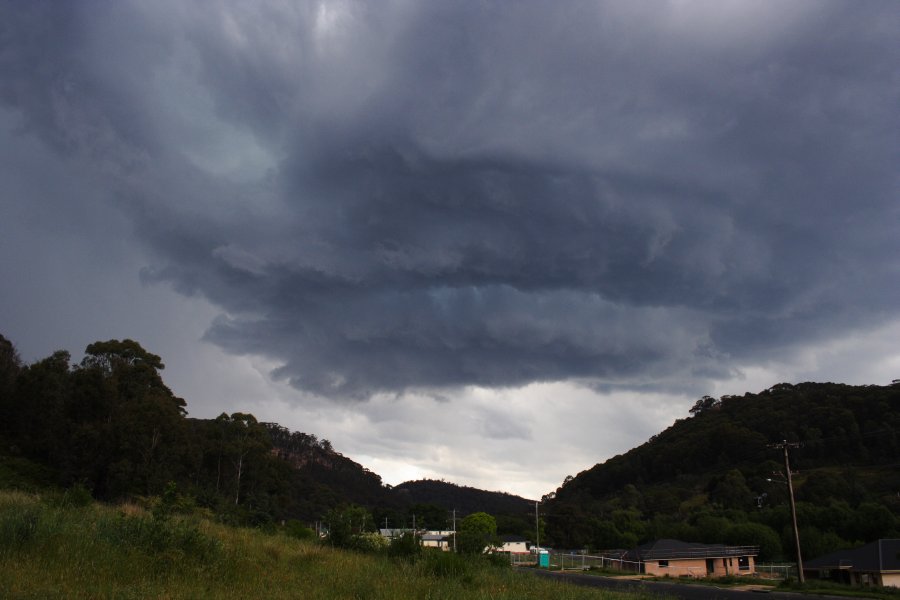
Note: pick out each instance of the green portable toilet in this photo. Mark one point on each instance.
(544, 559)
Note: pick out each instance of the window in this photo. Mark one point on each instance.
(663, 563)
(744, 563)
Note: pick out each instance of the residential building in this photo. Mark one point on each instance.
(514, 544)
(874, 564)
(428, 539)
(396, 533)
(684, 559)
(438, 539)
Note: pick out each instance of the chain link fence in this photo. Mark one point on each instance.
(576, 561)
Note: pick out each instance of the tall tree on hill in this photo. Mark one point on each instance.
(244, 440)
(128, 425)
(38, 422)
(10, 365)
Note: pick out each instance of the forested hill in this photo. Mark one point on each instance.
(720, 462)
(464, 499)
(110, 424)
(325, 478)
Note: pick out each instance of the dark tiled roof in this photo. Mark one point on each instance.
(666, 549)
(883, 555)
(397, 532)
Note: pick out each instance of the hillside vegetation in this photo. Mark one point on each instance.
(64, 546)
(110, 424)
(714, 477)
(463, 498)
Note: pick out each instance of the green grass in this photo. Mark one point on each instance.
(53, 548)
(592, 570)
(19, 473)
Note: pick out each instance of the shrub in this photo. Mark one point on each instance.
(498, 559)
(471, 542)
(446, 564)
(407, 545)
(18, 526)
(156, 536)
(77, 496)
(245, 516)
(297, 530)
(369, 542)
(171, 502)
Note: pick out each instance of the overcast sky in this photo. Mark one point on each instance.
(491, 242)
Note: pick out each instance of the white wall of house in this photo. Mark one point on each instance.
(515, 547)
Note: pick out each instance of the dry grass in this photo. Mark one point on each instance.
(58, 551)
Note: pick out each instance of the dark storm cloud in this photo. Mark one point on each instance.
(491, 194)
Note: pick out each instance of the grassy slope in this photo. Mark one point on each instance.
(51, 549)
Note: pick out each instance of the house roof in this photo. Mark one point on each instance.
(883, 555)
(667, 548)
(395, 532)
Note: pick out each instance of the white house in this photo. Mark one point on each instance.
(438, 539)
(428, 539)
(514, 544)
(395, 533)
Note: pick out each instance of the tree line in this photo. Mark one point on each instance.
(110, 425)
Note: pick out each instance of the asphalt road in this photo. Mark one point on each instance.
(673, 590)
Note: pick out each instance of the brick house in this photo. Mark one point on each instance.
(684, 559)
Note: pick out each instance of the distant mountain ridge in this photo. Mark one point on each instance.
(319, 466)
(460, 497)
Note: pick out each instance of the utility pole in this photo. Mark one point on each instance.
(537, 532)
(454, 531)
(784, 445)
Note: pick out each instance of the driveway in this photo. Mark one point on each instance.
(675, 590)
